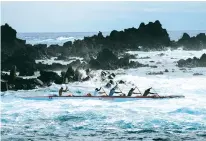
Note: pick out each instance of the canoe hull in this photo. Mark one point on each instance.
(110, 98)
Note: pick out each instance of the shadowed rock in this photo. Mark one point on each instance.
(193, 62)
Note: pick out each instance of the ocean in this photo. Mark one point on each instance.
(96, 120)
(62, 37)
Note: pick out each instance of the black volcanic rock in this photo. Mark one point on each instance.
(149, 36)
(75, 63)
(195, 62)
(69, 75)
(49, 77)
(106, 55)
(53, 66)
(106, 59)
(197, 74)
(67, 44)
(16, 52)
(17, 83)
(21, 60)
(4, 86)
(192, 43)
(155, 73)
(8, 34)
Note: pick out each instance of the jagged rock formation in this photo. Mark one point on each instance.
(106, 59)
(192, 43)
(195, 62)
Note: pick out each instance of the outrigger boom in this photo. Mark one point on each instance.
(113, 98)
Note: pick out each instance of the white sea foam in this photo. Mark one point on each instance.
(179, 117)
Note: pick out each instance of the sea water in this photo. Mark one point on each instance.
(78, 120)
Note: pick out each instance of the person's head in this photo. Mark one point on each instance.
(61, 87)
(96, 89)
(132, 88)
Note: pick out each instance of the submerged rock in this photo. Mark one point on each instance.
(147, 57)
(166, 70)
(161, 54)
(4, 85)
(196, 74)
(197, 42)
(111, 76)
(155, 73)
(121, 82)
(195, 62)
(153, 66)
(48, 77)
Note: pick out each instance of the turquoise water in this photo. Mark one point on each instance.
(169, 119)
(96, 120)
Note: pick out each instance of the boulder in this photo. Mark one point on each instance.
(67, 44)
(106, 59)
(155, 73)
(111, 76)
(166, 70)
(196, 74)
(12, 75)
(197, 42)
(69, 74)
(153, 66)
(121, 82)
(52, 67)
(4, 85)
(108, 85)
(86, 78)
(147, 57)
(48, 77)
(75, 63)
(8, 34)
(193, 62)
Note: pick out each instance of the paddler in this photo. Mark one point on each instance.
(62, 90)
(112, 91)
(96, 91)
(131, 91)
(147, 92)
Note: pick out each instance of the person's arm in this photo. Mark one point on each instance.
(99, 89)
(65, 89)
(117, 92)
(136, 93)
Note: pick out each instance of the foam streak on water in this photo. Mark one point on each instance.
(166, 119)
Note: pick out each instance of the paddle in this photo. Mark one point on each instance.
(104, 91)
(138, 90)
(121, 91)
(155, 92)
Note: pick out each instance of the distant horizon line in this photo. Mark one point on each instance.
(101, 31)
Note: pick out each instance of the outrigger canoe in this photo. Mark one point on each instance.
(113, 98)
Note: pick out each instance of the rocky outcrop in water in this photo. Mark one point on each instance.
(13, 82)
(155, 73)
(4, 85)
(197, 42)
(52, 67)
(106, 59)
(193, 62)
(16, 52)
(48, 77)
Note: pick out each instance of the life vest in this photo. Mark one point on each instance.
(89, 94)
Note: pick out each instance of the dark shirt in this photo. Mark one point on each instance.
(147, 92)
(130, 92)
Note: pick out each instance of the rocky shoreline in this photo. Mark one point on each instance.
(98, 52)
